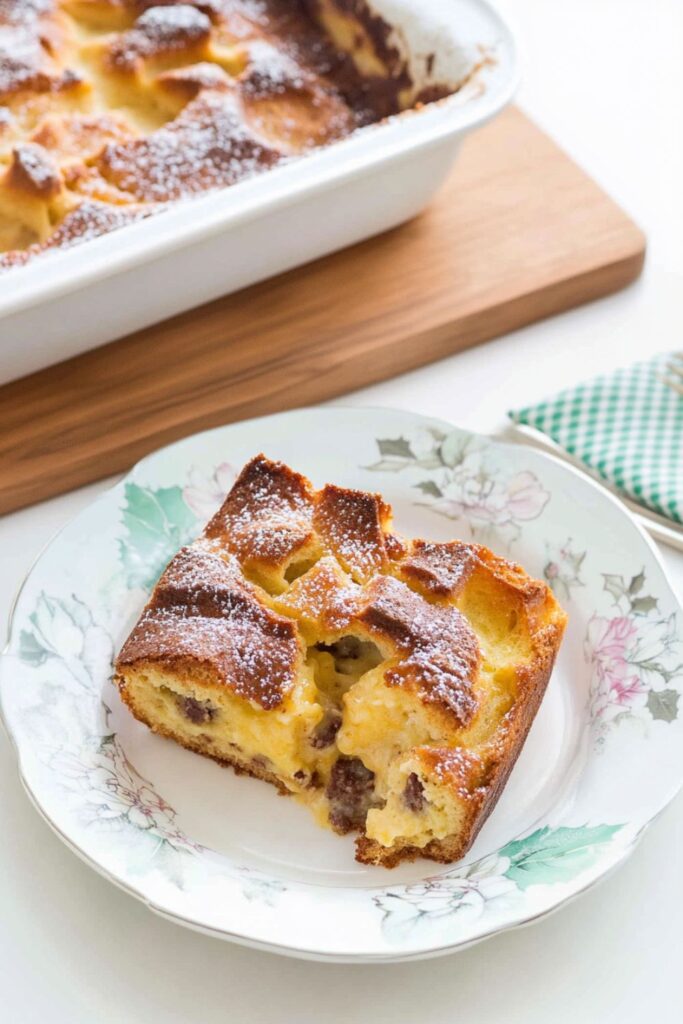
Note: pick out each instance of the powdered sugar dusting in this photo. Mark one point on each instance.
(21, 60)
(439, 652)
(323, 593)
(456, 767)
(204, 608)
(270, 72)
(34, 169)
(208, 146)
(296, 92)
(90, 220)
(268, 514)
(350, 524)
(24, 12)
(199, 76)
(27, 37)
(203, 611)
(160, 30)
(440, 569)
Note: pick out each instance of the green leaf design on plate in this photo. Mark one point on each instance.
(30, 649)
(157, 523)
(429, 487)
(643, 605)
(397, 454)
(554, 855)
(636, 584)
(663, 704)
(395, 446)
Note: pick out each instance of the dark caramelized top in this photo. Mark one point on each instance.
(201, 94)
(205, 611)
(353, 526)
(267, 517)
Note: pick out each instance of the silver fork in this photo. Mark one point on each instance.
(675, 373)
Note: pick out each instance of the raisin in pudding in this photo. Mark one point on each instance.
(389, 684)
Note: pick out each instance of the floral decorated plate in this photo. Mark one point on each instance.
(225, 854)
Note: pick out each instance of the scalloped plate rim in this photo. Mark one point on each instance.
(299, 952)
(423, 950)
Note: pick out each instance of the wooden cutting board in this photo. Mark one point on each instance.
(519, 232)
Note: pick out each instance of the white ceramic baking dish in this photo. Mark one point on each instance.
(67, 302)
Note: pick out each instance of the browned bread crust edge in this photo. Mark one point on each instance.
(240, 767)
(520, 720)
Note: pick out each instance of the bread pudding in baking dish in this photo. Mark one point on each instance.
(112, 109)
(387, 683)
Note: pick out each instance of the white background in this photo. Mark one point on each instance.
(605, 77)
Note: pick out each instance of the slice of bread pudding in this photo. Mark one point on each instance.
(387, 683)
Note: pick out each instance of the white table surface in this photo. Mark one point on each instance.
(605, 77)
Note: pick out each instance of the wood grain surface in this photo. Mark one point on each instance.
(519, 232)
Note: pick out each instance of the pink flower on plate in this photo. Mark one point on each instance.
(609, 648)
(609, 642)
(526, 497)
(480, 497)
(205, 494)
(624, 692)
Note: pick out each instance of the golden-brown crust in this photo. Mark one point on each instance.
(207, 92)
(31, 36)
(33, 172)
(438, 570)
(519, 720)
(267, 517)
(434, 652)
(412, 599)
(203, 613)
(175, 88)
(91, 219)
(438, 650)
(442, 570)
(353, 528)
(443, 851)
(240, 765)
(207, 146)
(460, 769)
(80, 137)
(277, 91)
(160, 31)
(479, 780)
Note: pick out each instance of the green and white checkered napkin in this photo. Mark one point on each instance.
(627, 427)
